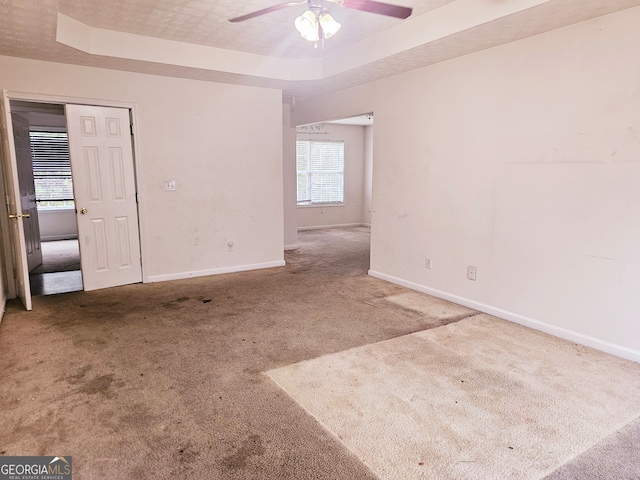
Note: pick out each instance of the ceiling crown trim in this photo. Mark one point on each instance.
(110, 43)
(455, 28)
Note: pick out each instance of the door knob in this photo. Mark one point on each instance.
(83, 211)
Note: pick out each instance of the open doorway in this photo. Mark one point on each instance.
(334, 173)
(101, 152)
(334, 168)
(44, 169)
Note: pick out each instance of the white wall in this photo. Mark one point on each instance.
(221, 143)
(524, 161)
(351, 211)
(57, 224)
(289, 167)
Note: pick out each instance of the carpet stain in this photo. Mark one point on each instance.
(173, 304)
(187, 454)
(138, 419)
(78, 377)
(251, 447)
(101, 384)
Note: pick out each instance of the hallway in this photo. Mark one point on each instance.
(59, 271)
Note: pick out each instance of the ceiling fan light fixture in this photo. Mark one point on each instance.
(329, 26)
(307, 26)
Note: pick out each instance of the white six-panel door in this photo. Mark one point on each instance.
(104, 189)
(27, 190)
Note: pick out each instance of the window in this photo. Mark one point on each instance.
(51, 168)
(320, 167)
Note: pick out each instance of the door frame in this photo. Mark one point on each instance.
(135, 135)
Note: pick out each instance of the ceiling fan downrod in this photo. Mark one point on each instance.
(317, 24)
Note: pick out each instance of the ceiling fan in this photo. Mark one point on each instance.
(316, 23)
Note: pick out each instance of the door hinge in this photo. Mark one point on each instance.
(131, 128)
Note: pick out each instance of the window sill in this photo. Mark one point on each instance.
(319, 205)
(55, 209)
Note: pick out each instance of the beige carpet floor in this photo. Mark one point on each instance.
(59, 256)
(167, 380)
(482, 398)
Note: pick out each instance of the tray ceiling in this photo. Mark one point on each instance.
(193, 38)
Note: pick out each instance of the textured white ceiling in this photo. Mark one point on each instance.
(205, 22)
(28, 29)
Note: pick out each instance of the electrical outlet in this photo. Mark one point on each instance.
(169, 185)
(428, 263)
(471, 272)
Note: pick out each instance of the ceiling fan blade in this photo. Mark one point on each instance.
(257, 13)
(378, 7)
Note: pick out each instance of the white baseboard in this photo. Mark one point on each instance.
(322, 227)
(213, 271)
(602, 345)
(56, 238)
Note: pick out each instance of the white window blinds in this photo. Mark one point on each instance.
(320, 168)
(51, 166)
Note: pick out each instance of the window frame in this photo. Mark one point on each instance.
(45, 203)
(310, 172)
